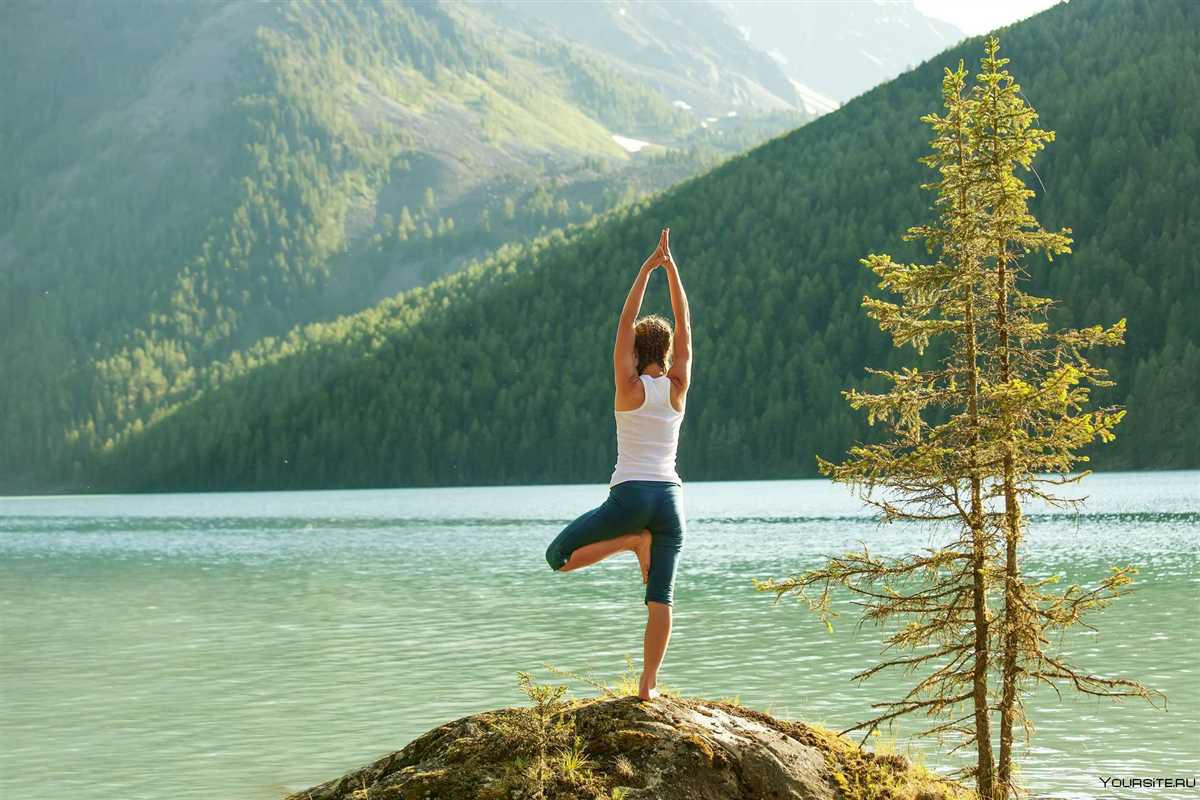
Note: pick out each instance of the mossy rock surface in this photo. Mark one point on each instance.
(668, 749)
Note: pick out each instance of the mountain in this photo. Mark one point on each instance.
(840, 50)
(500, 373)
(184, 180)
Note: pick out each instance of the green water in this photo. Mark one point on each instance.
(243, 645)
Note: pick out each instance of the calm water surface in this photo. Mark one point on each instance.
(244, 645)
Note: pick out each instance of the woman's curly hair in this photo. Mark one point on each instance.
(652, 342)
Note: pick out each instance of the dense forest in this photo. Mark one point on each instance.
(183, 181)
(501, 373)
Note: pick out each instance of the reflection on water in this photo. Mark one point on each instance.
(241, 645)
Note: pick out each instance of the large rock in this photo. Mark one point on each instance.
(619, 747)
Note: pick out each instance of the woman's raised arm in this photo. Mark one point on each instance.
(681, 351)
(624, 358)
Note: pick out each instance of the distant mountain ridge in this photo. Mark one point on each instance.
(684, 51)
(840, 50)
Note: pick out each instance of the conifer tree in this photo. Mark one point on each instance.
(931, 472)
(1012, 393)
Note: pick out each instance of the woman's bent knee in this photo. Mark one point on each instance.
(554, 557)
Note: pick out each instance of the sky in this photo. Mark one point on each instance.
(980, 16)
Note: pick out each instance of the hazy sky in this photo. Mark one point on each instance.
(980, 16)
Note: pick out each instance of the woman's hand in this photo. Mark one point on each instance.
(661, 255)
(664, 245)
(653, 262)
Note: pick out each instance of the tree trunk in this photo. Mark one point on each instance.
(983, 733)
(1012, 538)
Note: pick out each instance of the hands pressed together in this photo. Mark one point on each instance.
(661, 256)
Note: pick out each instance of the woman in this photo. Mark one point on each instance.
(644, 511)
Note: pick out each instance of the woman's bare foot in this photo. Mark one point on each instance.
(641, 548)
(647, 694)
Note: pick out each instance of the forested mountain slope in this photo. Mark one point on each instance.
(501, 374)
(185, 179)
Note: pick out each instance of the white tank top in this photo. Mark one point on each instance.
(647, 437)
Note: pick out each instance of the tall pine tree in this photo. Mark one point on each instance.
(1011, 395)
(931, 472)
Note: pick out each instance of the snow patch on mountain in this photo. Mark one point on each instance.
(874, 58)
(630, 145)
(813, 101)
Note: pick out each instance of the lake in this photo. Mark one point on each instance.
(242, 645)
